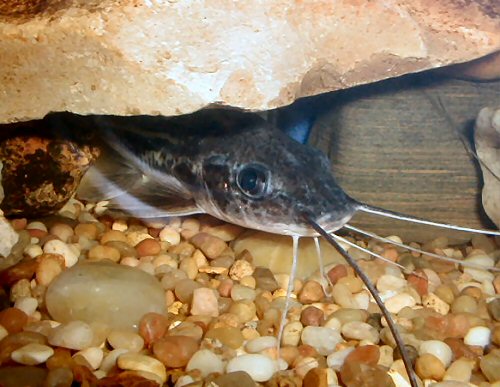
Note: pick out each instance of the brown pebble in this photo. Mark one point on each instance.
(152, 327)
(228, 336)
(316, 377)
(419, 281)
(366, 354)
(496, 283)
(460, 349)
(495, 335)
(148, 247)
(113, 236)
(429, 366)
(19, 224)
(225, 287)
(337, 272)
(17, 340)
(311, 292)
(305, 350)
(87, 230)
(60, 359)
(21, 270)
(210, 245)
(100, 252)
(49, 267)
(312, 316)
(13, 319)
(175, 351)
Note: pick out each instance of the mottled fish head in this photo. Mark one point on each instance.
(260, 178)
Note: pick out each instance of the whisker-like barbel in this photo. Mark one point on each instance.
(371, 288)
(428, 253)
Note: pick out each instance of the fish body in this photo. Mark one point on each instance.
(229, 164)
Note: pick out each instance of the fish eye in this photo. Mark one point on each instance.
(253, 180)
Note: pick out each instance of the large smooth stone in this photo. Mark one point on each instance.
(104, 292)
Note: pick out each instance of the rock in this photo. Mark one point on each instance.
(430, 300)
(73, 335)
(312, 316)
(486, 139)
(336, 359)
(360, 331)
(31, 189)
(210, 245)
(324, 340)
(125, 339)
(261, 343)
(237, 378)
(204, 303)
(260, 368)
(144, 363)
(175, 351)
(429, 366)
(311, 292)
(8, 236)
(480, 336)
(460, 370)
(489, 365)
(206, 362)
(437, 348)
(399, 301)
(119, 295)
(494, 309)
(58, 247)
(118, 70)
(32, 354)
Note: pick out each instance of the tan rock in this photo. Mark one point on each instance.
(170, 57)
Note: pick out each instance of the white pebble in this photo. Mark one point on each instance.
(56, 246)
(359, 330)
(260, 368)
(478, 274)
(33, 250)
(110, 359)
(206, 362)
(27, 304)
(460, 370)
(324, 340)
(480, 336)
(292, 333)
(73, 335)
(184, 380)
(433, 279)
(119, 225)
(261, 343)
(437, 348)
(204, 303)
(138, 362)
(36, 226)
(124, 339)
(399, 301)
(336, 359)
(32, 354)
(93, 355)
(362, 299)
(388, 282)
(170, 235)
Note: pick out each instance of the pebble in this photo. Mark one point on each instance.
(264, 279)
(27, 304)
(388, 283)
(430, 300)
(73, 335)
(324, 340)
(311, 292)
(109, 360)
(292, 333)
(138, 362)
(336, 359)
(49, 267)
(59, 377)
(175, 351)
(63, 231)
(489, 364)
(260, 368)
(204, 302)
(305, 364)
(92, 355)
(13, 319)
(32, 354)
(240, 269)
(22, 376)
(399, 301)
(478, 274)
(125, 339)
(152, 327)
(228, 336)
(148, 247)
(231, 379)
(239, 292)
(480, 336)
(365, 354)
(312, 316)
(113, 236)
(210, 245)
(358, 330)
(206, 362)
(100, 252)
(260, 344)
(343, 296)
(464, 304)
(437, 348)
(429, 366)
(170, 235)
(33, 251)
(494, 309)
(460, 370)
(116, 297)
(56, 246)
